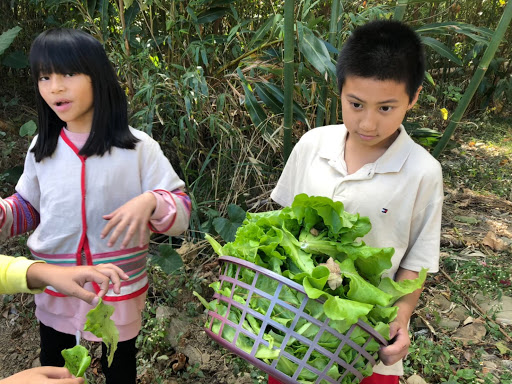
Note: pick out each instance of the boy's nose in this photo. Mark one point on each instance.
(368, 122)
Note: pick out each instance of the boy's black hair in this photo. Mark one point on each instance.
(65, 51)
(383, 50)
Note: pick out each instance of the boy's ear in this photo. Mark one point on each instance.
(415, 99)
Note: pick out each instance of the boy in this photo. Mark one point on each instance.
(371, 165)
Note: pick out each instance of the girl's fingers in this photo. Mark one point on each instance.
(55, 372)
(132, 229)
(76, 380)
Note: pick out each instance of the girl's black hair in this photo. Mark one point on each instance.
(65, 51)
(383, 50)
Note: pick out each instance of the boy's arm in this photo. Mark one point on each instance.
(399, 327)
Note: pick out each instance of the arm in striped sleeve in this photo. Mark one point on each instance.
(172, 213)
(17, 216)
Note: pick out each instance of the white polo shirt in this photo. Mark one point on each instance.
(401, 193)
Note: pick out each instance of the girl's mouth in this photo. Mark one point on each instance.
(61, 106)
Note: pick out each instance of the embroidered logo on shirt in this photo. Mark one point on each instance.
(384, 210)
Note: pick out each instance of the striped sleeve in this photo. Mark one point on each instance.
(17, 216)
(172, 214)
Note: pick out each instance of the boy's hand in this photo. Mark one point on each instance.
(70, 280)
(399, 348)
(132, 217)
(43, 375)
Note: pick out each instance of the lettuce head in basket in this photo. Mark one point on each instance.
(313, 243)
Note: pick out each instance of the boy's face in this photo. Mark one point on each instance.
(373, 110)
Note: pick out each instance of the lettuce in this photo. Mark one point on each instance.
(76, 360)
(99, 323)
(313, 242)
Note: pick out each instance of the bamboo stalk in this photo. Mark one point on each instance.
(333, 37)
(322, 100)
(127, 49)
(289, 47)
(476, 79)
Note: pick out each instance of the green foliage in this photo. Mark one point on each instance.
(7, 38)
(167, 259)
(477, 276)
(28, 129)
(227, 227)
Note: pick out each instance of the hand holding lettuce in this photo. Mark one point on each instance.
(313, 243)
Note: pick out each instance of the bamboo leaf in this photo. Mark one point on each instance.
(211, 15)
(130, 15)
(269, 25)
(314, 51)
(91, 7)
(273, 97)
(478, 34)
(257, 114)
(8, 37)
(441, 49)
(104, 18)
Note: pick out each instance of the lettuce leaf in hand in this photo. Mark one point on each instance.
(99, 323)
(76, 360)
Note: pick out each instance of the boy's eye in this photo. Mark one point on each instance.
(357, 105)
(386, 108)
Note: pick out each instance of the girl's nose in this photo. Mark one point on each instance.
(57, 85)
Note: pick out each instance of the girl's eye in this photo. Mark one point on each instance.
(43, 78)
(386, 109)
(357, 105)
(70, 74)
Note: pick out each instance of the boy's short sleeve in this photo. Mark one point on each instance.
(425, 231)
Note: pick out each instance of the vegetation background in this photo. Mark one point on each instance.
(207, 79)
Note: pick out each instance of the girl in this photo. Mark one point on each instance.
(87, 167)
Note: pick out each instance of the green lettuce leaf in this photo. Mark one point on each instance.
(76, 360)
(99, 323)
(398, 289)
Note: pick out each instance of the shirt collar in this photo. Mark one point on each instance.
(391, 161)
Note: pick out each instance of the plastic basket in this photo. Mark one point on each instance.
(235, 267)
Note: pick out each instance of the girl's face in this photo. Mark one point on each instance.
(70, 96)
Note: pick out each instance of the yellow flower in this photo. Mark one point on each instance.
(444, 113)
(502, 3)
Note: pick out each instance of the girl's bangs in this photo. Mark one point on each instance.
(58, 58)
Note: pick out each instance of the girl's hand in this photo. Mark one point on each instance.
(43, 375)
(70, 280)
(400, 348)
(133, 217)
